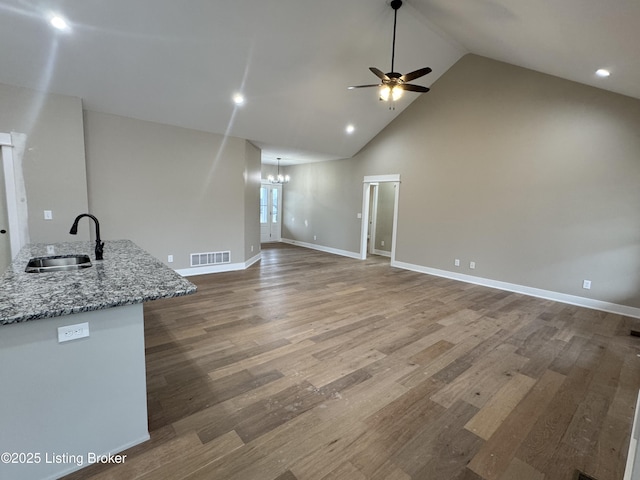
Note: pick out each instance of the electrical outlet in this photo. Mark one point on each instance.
(586, 284)
(48, 215)
(73, 332)
(169, 258)
(315, 238)
(382, 243)
(472, 265)
(456, 262)
(252, 248)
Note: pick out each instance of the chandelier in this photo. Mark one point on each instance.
(279, 178)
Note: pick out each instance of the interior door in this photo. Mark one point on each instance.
(5, 244)
(270, 212)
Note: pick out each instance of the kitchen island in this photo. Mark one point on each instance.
(77, 394)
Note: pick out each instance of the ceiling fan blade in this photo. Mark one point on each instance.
(379, 73)
(416, 74)
(414, 88)
(364, 86)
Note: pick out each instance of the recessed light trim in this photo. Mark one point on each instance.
(603, 72)
(238, 98)
(350, 128)
(59, 23)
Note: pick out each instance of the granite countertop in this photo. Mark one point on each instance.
(126, 276)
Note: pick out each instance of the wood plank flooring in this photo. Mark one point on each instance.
(309, 366)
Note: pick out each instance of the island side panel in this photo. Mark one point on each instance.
(67, 401)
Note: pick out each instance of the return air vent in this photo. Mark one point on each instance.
(210, 258)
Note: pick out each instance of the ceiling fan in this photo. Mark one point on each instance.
(393, 84)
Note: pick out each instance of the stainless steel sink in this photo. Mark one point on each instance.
(58, 263)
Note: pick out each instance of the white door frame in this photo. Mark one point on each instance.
(373, 215)
(15, 231)
(372, 180)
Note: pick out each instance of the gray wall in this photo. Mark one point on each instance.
(53, 163)
(533, 177)
(322, 199)
(171, 190)
(267, 170)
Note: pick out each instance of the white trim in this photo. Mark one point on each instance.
(227, 267)
(372, 225)
(322, 248)
(531, 291)
(394, 231)
(632, 454)
(364, 226)
(393, 177)
(256, 258)
(382, 253)
(16, 239)
(121, 448)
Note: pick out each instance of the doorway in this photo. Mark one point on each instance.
(270, 212)
(380, 215)
(14, 232)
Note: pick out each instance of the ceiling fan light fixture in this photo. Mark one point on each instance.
(392, 93)
(392, 84)
(385, 93)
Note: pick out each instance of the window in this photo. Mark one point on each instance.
(274, 205)
(264, 200)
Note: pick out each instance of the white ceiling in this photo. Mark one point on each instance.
(179, 63)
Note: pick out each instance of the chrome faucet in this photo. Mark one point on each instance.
(99, 243)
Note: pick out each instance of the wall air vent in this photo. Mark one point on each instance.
(210, 258)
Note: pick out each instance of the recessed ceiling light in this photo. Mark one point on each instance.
(238, 99)
(350, 128)
(59, 22)
(603, 73)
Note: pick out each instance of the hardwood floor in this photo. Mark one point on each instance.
(311, 366)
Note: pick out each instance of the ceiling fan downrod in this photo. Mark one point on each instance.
(395, 4)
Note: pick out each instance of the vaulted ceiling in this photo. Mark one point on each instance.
(180, 63)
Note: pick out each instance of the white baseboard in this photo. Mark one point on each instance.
(226, 267)
(322, 248)
(383, 253)
(533, 292)
(252, 260)
(631, 469)
(112, 451)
